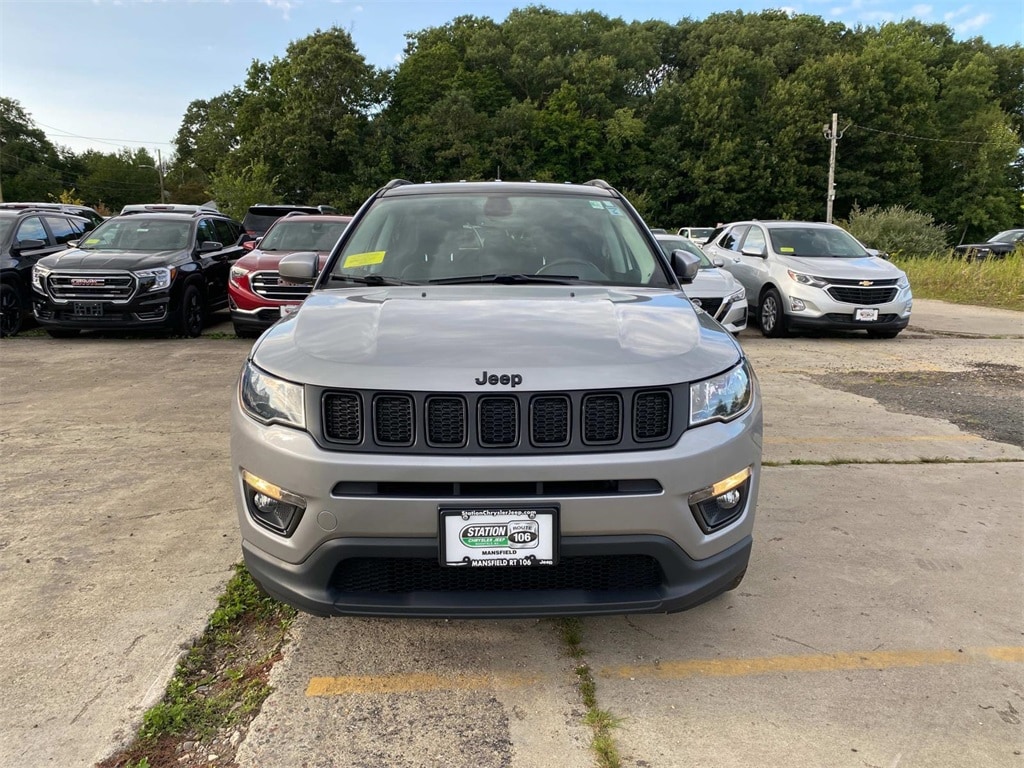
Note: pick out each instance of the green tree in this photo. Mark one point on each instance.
(235, 192)
(30, 166)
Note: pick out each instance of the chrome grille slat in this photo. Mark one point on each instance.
(269, 286)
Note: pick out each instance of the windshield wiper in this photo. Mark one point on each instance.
(372, 280)
(509, 279)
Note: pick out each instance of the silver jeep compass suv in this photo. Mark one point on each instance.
(496, 401)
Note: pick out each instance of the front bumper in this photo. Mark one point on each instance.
(810, 307)
(148, 311)
(383, 534)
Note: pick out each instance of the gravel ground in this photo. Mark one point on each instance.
(985, 400)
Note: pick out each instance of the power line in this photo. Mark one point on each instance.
(921, 138)
(103, 140)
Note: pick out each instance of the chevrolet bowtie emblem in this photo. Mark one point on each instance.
(866, 282)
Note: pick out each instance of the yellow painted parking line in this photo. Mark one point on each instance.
(884, 439)
(820, 662)
(414, 682)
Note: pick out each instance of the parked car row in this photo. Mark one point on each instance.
(157, 266)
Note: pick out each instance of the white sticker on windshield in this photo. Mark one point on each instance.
(596, 204)
(613, 209)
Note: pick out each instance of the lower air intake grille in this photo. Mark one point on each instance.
(404, 575)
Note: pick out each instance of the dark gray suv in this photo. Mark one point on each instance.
(496, 401)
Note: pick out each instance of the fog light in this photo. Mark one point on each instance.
(718, 505)
(271, 506)
(797, 305)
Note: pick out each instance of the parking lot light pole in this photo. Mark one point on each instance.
(159, 168)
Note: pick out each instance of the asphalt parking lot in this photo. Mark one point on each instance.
(881, 622)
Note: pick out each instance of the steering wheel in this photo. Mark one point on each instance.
(589, 270)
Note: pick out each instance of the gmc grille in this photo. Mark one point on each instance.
(90, 286)
(269, 286)
(555, 422)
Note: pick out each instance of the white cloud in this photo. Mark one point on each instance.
(285, 6)
(974, 23)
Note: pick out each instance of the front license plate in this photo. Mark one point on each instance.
(88, 308)
(865, 315)
(498, 536)
(289, 309)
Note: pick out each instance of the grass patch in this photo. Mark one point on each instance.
(217, 688)
(988, 283)
(600, 721)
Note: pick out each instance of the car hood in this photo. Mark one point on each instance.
(710, 283)
(442, 338)
(257, 260)
(867, 268)
(79, 259)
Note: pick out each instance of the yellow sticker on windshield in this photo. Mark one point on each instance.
(787, 249)
(92, 241)
(364, 259)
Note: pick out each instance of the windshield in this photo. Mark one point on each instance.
(442, 237)
(669, 244)
(302, 235)
(701, 235)
(1009, 236)
(138, 233)
(813, 242)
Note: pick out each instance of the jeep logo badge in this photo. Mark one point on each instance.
(505, 378)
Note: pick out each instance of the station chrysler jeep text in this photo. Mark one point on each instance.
(496, 401)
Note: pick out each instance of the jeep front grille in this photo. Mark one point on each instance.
(269, 286)
(90, 286)
(557, 422)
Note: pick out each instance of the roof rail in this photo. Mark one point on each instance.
(395, 183)
(290, 214)
(599, 183)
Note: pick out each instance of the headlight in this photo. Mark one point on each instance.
(903, 282)
(803, 279)
(739, 295)
(721, 398)
(238, 273)
(39, 274)
(271, 400)
(154, 279)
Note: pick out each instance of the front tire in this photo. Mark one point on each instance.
(192, 314)
(11, 315)
(772, 316)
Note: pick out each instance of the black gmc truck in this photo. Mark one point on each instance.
(139, 271)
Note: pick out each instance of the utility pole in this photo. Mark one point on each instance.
(833, 135)
(160, 170)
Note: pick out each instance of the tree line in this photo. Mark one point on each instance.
(696, 122)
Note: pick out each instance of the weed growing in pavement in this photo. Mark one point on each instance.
(600, 721)
(986, 283)
(219, 685)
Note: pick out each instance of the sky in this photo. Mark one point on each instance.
(110, 74)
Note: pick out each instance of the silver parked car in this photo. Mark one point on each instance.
(801, 274)
(714, 290)
(699, 235)
(496, 401)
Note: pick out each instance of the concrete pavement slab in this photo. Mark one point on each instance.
(932, 316)
(880, 624)
(117, 534)
(411, 693)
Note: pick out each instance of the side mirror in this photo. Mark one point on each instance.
(29, 244)
(209, 246)
(685, 265)
(718, 261)
(302, 267)
(758, 252)
(72, 243)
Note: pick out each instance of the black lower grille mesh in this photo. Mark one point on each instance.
(404, 575)
(857, 295)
